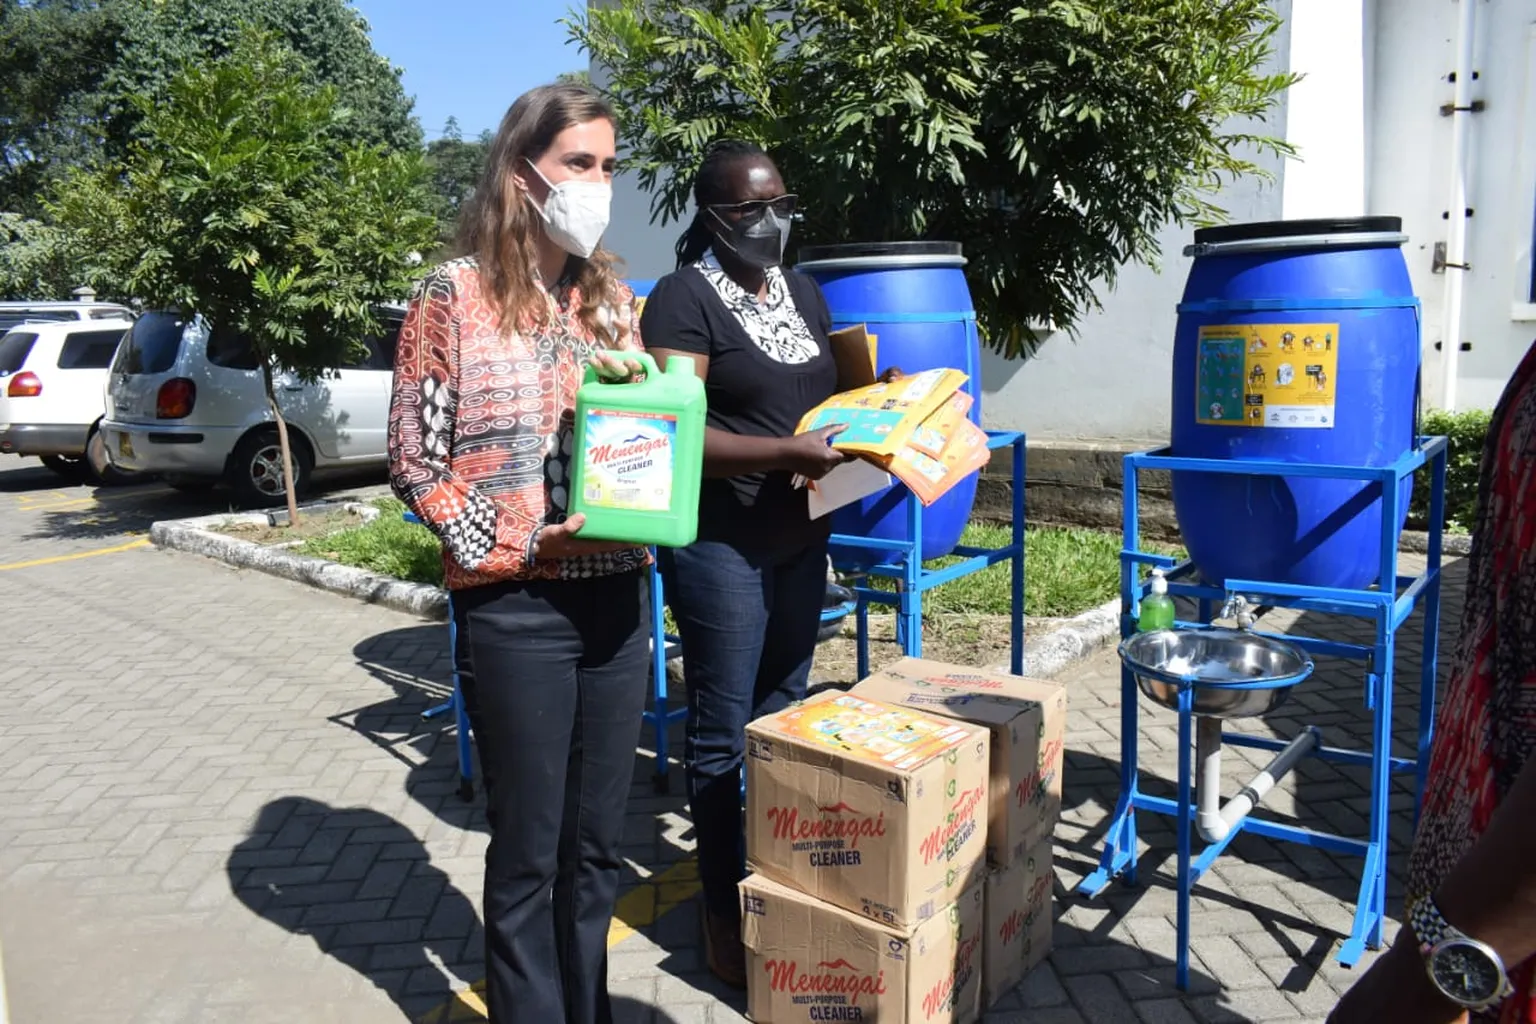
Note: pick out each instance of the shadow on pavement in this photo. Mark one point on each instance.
(1335, 798)
(58, 508)
(657, 881)
(360, 885)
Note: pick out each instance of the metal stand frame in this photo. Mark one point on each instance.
(455, 701)
(913, 580)
(1387, 608)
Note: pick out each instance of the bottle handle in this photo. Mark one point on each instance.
(643, 358)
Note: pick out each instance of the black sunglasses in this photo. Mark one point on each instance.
(753, 210)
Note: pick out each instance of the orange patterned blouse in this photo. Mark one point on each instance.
(480, 427)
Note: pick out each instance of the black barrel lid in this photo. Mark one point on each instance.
(1298, 228)
(864, 250)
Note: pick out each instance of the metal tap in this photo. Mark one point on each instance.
(1237, 608)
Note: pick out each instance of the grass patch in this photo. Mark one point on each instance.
(389, 546)
(1065, 571)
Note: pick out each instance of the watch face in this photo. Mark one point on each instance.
(1465, 971)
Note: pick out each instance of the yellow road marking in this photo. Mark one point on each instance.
(638, 908)
(53, 501)
(140, 543)
(57, 504)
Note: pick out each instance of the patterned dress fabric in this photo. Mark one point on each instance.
(1486, 726)
(480, 427)
(775, 324)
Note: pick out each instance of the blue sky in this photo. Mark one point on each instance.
(471, 58)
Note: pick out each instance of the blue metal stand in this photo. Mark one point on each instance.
(1387, 607)
(663, 649)
(913, 580)
(455, 702)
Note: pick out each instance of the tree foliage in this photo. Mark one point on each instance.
(1054, 138)
(245, 200)
(55, 55)
(73, 66)
(455, 166)
(35, 259)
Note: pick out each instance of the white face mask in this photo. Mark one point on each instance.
(575, 213)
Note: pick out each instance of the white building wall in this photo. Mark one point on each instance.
(1409, 176)
(1325, 113)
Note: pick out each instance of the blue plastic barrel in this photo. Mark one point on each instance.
(1298, 341)
(913, 297)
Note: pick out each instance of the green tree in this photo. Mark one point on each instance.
(35, 259)
(243, 200)
(55, 54)
(72, 66)
(455, 166)
(1054, 138)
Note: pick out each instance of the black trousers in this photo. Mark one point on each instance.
(555, 691)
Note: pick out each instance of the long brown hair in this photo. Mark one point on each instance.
(500, 226)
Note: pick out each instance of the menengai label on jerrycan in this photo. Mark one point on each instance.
(808, 961)
(1027, 719)
(639, 455)
(877, 809)
(628, 458)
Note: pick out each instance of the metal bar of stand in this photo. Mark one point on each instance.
(1262, 827)
(1427, 670)
(1183, 829)
(1336, 755)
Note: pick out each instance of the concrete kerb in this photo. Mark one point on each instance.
(196, 536)
(1070, 642)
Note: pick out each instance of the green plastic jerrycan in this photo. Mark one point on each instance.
(639, 455)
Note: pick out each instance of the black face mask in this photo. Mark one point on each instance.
(759, 244)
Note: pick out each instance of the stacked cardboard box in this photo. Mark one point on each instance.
(866, 833)
(1027, 721)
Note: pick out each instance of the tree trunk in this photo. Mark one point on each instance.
(282, 444)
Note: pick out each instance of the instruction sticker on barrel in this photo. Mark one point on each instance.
(1267, 375)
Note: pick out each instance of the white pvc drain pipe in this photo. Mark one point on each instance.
(1215, 822)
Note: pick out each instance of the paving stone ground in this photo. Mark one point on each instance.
(218, 802)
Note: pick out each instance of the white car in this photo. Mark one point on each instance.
(13, 314)
(185, 401)
(52, 375)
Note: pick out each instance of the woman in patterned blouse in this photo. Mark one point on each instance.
(552, 628)
(747, 595)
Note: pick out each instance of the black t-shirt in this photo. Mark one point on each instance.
(769, 364)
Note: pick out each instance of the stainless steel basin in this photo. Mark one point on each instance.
(1234, 673)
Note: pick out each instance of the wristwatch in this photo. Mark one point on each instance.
(1467, 972)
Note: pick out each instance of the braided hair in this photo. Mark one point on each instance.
(711, 187)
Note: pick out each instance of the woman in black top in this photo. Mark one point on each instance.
(747, 595)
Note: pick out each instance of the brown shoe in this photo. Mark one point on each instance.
(724, 954)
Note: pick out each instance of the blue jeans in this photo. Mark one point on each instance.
(748, 619)
(555, 688)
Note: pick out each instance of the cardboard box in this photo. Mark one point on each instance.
(1028, 720)
(1019, 922)
(876, 809)
(809, 961)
